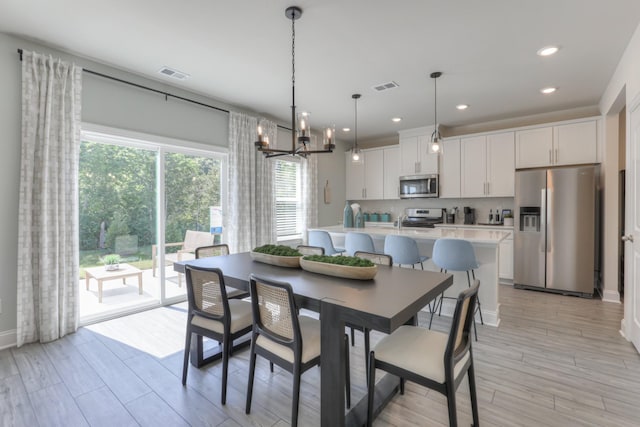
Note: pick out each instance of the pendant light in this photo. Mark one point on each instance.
(300, 127)
(356, 154)
(436, 139)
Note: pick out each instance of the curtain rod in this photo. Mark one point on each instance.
(166, 94)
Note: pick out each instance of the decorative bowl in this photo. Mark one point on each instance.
(337, 270)
(280, 261)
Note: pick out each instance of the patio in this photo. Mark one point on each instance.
(118, 297)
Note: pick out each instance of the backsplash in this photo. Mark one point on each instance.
(397, 207)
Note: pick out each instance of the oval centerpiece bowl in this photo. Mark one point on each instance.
(336, 270)
(277, 260)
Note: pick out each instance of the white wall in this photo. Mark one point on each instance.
(623, 89)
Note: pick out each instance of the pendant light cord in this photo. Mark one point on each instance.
(356, 124)
(435, 102)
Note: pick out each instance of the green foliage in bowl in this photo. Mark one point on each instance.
(111, 259)
(351, 261)
(278, 250)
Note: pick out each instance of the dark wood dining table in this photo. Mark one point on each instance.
(384, 303)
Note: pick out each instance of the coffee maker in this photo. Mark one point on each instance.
(469, 215)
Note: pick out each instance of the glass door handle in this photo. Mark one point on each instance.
(627, 238)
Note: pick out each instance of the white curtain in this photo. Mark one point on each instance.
(48, 272)
(309, 191)
(251, 216)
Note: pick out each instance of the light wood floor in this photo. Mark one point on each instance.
(554, 361)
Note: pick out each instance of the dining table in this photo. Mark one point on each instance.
(393, 297)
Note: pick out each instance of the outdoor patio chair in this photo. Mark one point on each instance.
(192, 241)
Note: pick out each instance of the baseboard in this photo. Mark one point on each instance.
(490, 318)
(8, 338)
(611, 296)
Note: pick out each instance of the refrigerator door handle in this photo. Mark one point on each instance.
(543, 219)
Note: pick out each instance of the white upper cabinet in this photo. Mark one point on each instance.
(487, 165)
(575, 143)
(450, 169)
(391, 173)
(365, 180)
(415, 156)
(534, 147)
(567, 144)
(501, 166)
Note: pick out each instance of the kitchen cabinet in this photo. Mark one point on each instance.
(391, 172)
(415, 156)
(450, 169)
(566, 144)
(487, 165)
(505, 258)
(365, 180)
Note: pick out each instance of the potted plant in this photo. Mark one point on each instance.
(111, 262)
(508, 219)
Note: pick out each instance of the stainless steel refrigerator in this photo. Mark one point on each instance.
(555, 229)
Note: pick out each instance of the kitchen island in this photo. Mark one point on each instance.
(486, 244)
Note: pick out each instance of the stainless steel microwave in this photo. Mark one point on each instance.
(417, 186)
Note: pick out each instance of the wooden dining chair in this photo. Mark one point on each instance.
(380, 259)
(281, 336)
(432, 359)
(211, 314)
(220, 250)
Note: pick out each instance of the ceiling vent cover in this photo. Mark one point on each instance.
(385, 86)
(174, 74)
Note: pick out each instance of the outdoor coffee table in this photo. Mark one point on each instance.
(100, 274)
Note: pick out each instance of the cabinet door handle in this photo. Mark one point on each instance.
(556, 155)
(488, 189)
(550, 158)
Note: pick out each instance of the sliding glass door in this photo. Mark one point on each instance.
(143, 205)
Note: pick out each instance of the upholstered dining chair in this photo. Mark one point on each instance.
(284, 338)
(323, 239)
(354, 242)
(220, 250)
(310, 250)
(380, 259)
(403, 250)
(455, 255)
(432, 359)
(211, 314)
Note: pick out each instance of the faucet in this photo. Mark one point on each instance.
(400, 219)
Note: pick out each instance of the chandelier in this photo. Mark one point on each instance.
(436, 138)
(300, 126)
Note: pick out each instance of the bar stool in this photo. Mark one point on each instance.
(323, 239)
(456, 255)
(355, 242)
(403, 250)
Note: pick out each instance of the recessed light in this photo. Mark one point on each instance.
(548, 90)
(548, 50)
(396, 119)
(462, 106)
(346, 129)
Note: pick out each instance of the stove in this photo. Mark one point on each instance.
(425, 218)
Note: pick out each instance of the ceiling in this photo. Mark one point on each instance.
(239, 52)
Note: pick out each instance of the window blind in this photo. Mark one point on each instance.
(287, 197)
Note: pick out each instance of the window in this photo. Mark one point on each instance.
(288, 200)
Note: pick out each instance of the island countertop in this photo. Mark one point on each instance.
(477, 236)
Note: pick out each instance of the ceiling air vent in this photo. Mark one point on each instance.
(174, 74)
(385, 86)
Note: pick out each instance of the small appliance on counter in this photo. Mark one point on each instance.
(469, 215)
(450, 216)
(426, 218)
